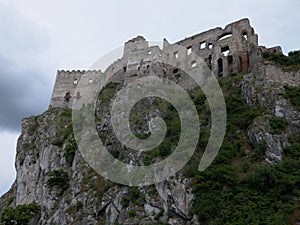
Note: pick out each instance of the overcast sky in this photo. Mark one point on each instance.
(39, 37)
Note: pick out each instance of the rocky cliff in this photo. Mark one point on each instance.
(255, 179)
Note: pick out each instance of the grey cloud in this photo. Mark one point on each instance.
(19, 36)
(21, 94)
(24, 86)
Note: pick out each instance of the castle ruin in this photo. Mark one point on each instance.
(233, 49)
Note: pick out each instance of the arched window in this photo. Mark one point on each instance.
(67, 97)
(220, 67)
(224, 36)
(244, 35)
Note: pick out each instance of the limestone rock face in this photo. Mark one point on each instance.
(78, 195)
(81, 196)
(86, 197)
(266, 88)
(260, 131)
(42, 149)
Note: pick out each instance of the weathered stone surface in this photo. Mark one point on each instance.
(226, 51)
(264, 87)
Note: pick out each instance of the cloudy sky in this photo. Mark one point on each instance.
(39, 37)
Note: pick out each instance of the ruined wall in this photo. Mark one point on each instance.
(275, 73)
(135, 44)
(270, 72)
(65, 87)
(134, 62)
(226, 51)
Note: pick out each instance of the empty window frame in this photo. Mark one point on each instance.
(225, 50)
(224, 36)
(189, 50)
(202, 45)
(193, 64)
(175, 55)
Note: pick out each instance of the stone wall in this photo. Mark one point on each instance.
(275, 73)
(226, 51)
(65, 87)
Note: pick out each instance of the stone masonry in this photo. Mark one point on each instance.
(233, 49)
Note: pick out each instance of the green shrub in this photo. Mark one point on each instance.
(132, 196)
(63, 122)
(263, 179)
(295, 56)
(108, 92)
(58, 178)
(66, 113)
(262, 197)
(292, 61)
(125, 201)
(131, 213)
(21, 215)
(293, 95)
(216, 177)
(278, 124)
(259, 152)
(293, 150)
(70, 150)
(234, 104)
(245, 166)
(165, 148)
(32, 125)
(295, 138)
(79, 205)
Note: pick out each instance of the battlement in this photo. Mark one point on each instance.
(65, 86)
(226, 51)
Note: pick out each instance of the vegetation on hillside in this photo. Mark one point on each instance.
(238, 188)
(291, 61)
(293, 95)
(58, 178)
(20, 215)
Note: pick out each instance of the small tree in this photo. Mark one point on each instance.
(21, 215)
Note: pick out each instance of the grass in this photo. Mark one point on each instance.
(238, 188)
(278, 124)
(293, 95)
(58, 178)
(289, 62)
(20, 215)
